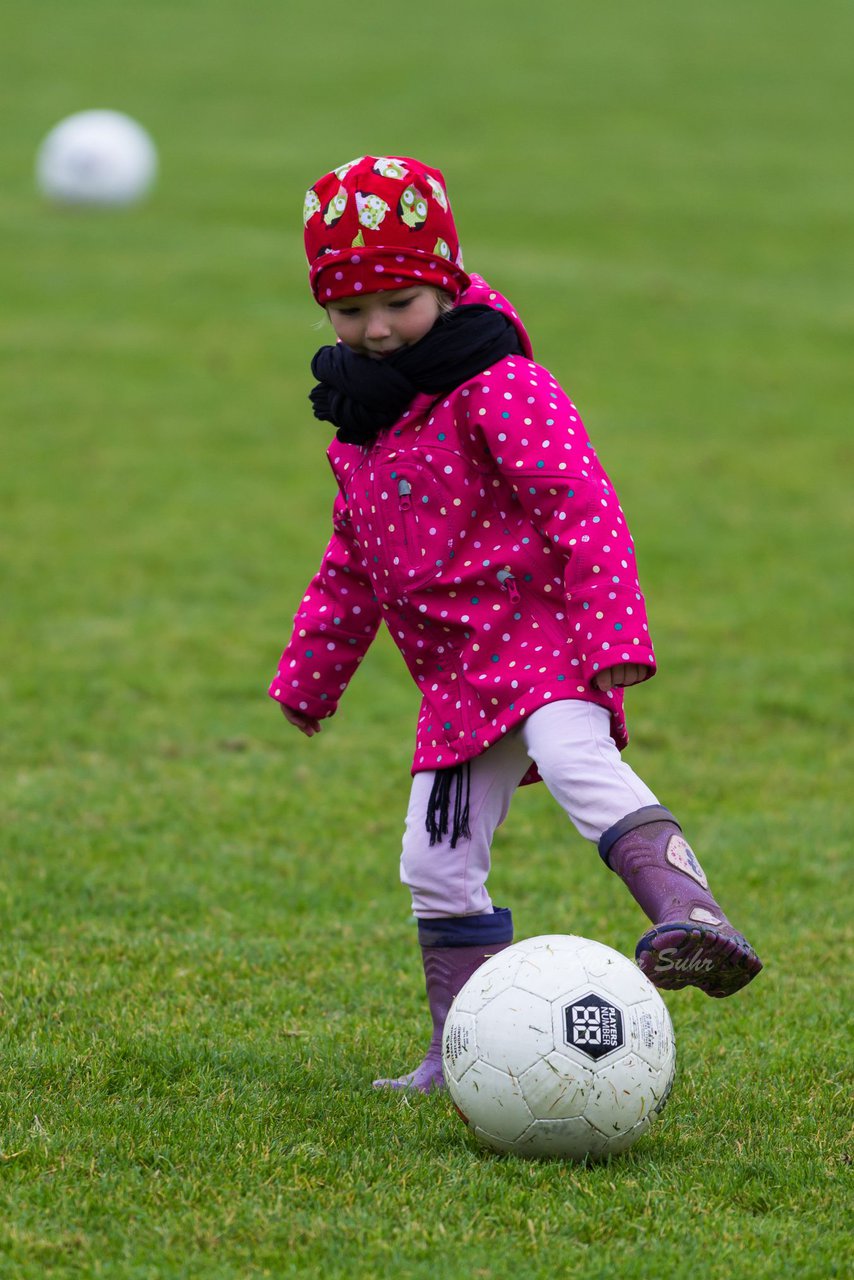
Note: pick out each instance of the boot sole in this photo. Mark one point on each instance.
(684, 954)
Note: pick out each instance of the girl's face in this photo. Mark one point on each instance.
(378, 324)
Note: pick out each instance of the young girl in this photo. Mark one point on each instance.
(475, 520)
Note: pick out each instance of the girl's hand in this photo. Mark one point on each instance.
(623, 674)
(308, 725)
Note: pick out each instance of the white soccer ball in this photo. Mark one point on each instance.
(96, 158)
(559, 1046)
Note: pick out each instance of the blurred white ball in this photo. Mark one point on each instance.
(96, 158)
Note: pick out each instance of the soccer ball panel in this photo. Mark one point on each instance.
(651, 1033)
(459, 1043)
(590, 1027)
(555, 1088)
(550, 968)
(513, 1031)
(572, 1139)
(495, 975)
(613, 976)
(625, 1094)
(491, 1101)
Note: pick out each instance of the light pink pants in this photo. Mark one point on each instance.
(571, 745)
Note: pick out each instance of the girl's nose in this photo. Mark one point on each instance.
(376, 326)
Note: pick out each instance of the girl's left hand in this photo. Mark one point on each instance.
(625, 673)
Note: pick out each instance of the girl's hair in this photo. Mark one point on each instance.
(443, 298)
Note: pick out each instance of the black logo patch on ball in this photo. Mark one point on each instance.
(593, 1025)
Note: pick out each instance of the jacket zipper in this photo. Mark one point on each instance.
(508, 584)
(404, 502)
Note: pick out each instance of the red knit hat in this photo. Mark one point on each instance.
(378, 223)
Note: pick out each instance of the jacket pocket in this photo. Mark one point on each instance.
(423, 518)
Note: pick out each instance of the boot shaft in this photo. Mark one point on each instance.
(452, 951)
(648, 852)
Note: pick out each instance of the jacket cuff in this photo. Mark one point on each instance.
(616, 655)
(317, 705)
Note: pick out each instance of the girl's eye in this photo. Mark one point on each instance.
(400, 304)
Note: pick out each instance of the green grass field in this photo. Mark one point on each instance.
(206, 953)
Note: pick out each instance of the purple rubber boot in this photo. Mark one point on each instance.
(452, 949)
(693, 943)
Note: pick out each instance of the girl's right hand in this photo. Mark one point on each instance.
(309, 725)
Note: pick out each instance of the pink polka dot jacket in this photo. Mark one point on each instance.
(485, 534)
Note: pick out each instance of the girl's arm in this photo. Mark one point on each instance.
(333, 629)
(534, 436)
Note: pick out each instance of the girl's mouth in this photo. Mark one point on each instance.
(383, 355)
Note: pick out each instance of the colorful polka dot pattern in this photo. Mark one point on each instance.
(484, 532)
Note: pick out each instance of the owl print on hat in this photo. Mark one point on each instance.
(412, 208)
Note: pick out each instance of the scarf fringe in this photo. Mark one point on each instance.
(439, 804)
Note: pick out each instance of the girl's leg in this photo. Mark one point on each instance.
(571, 745)
(692, 942)
(458, 927)
(451, 881)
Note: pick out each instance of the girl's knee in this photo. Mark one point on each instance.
(442, 881)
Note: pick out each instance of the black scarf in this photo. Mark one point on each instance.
(362, 396)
